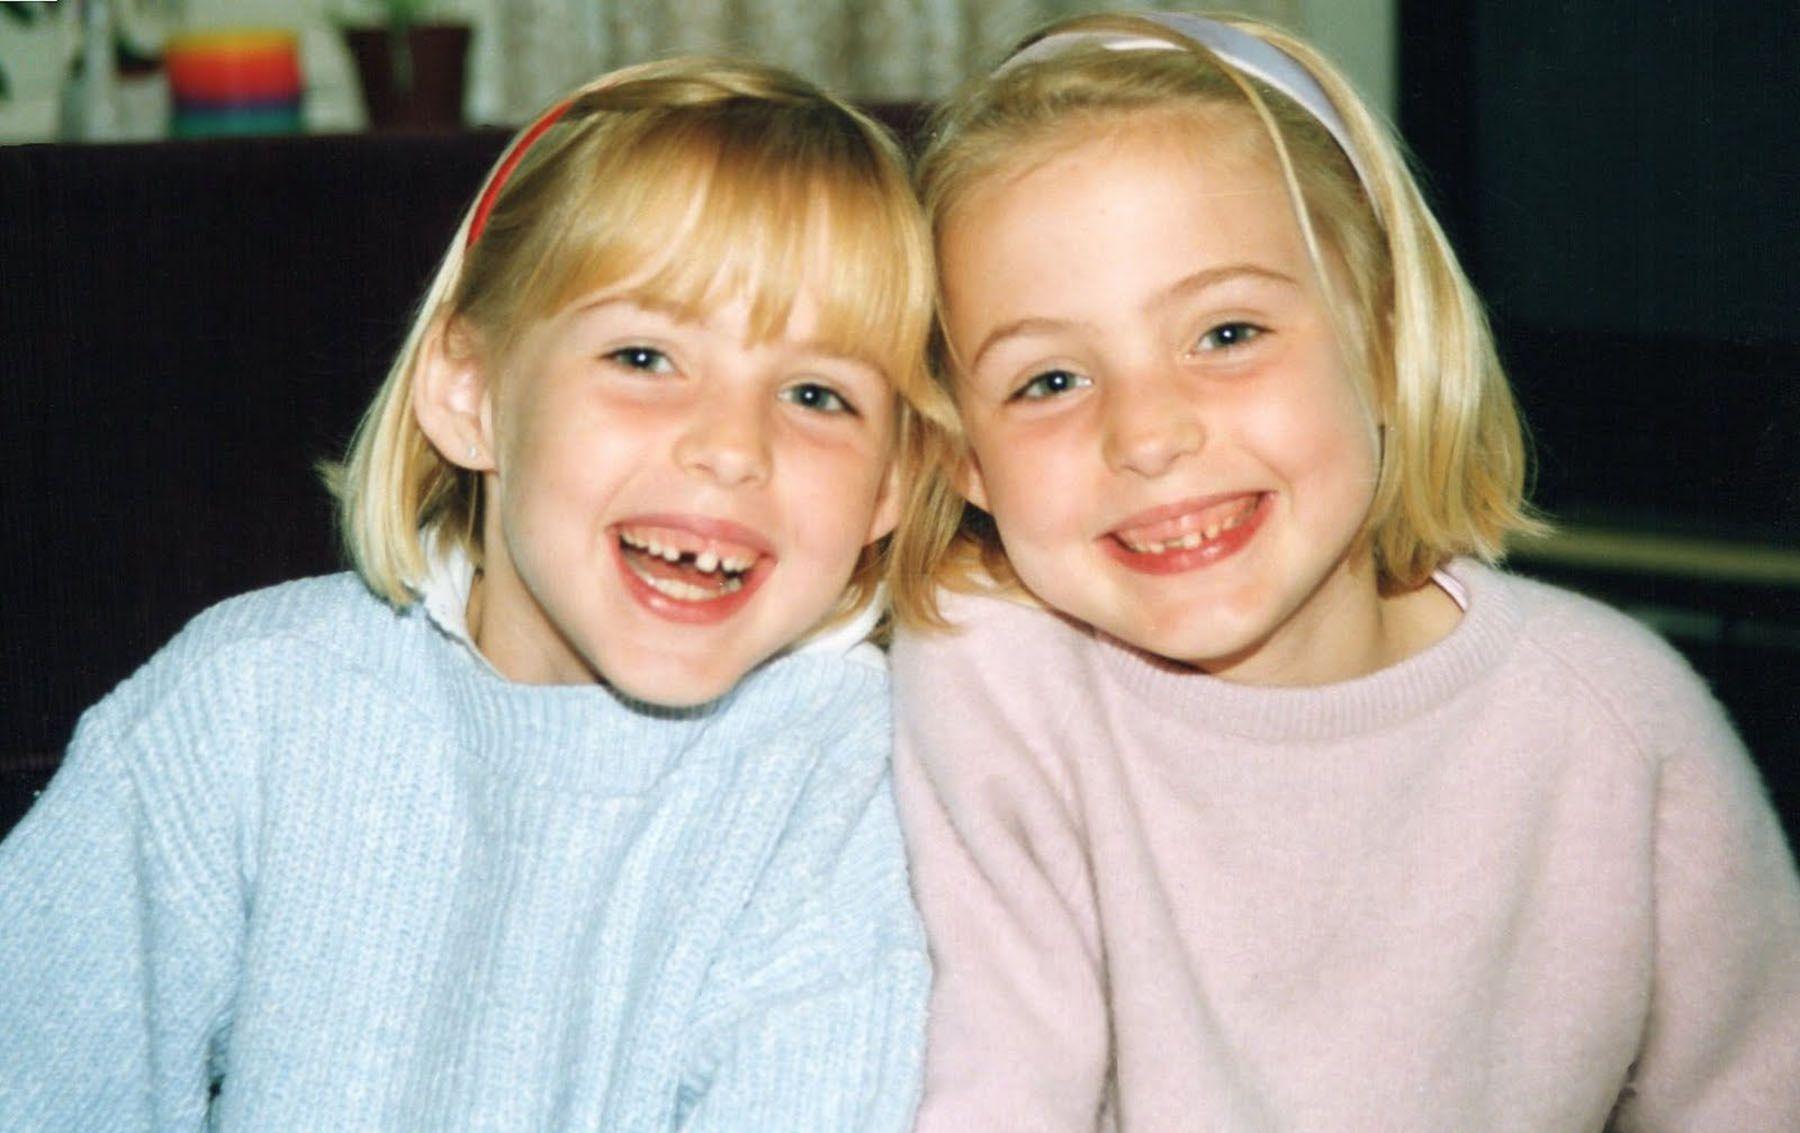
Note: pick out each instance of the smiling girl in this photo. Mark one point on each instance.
(569, 809)
(1244, 793)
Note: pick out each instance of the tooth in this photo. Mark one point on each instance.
(733, 585)
(671, 554)
(707, 561)
(1212, 531)
(674, 588)
(1190, 540)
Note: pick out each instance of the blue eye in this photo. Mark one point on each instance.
(1227, 335)
(816, 397)
(643, 358)
(1050, 383)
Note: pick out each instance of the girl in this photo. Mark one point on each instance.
(1271, 804)
(538, 821)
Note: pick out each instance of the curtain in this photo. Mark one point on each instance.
(530, 51)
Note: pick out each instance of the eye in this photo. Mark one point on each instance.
(817, 397)
(1225, 336)
(643, 358)
(1050, 383)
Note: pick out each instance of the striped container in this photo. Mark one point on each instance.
(225, 83)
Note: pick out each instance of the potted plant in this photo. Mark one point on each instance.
(412, 64)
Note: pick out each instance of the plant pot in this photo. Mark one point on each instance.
(413, 79)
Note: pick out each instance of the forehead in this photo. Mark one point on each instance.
(1114, 213)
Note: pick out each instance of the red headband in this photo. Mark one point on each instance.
(485, 205)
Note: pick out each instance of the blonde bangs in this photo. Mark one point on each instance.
(689, 210)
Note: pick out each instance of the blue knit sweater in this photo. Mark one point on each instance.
(316, 867)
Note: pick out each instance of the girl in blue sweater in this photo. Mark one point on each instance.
(569, 809)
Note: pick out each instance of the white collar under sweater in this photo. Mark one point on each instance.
(449, 575)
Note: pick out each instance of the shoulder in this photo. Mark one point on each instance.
(329, 610)
(997, 707)
(993, 640)
(290, 639)
(1617, 671)
(830, 701)
(836, 874)
(821, 718)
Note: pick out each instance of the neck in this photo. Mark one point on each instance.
(1346, 628)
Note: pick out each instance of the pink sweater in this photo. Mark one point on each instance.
(1526, 880)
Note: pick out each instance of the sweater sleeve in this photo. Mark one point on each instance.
(1019, 1034)
(117, 900)
(814, 1020)
(1722, 1043)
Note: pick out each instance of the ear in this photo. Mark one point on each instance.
(450, 396)
(887, 505)
(968, 481)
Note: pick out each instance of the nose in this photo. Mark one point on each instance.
(1150, 424)
(727, 442)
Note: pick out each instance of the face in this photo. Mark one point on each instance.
(670, 504)
(1161, 421)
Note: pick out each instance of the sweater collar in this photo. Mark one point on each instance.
(589, 737)
(449, 576)
(1488, 628)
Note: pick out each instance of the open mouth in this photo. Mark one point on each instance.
(1180, 538)
(686, 566)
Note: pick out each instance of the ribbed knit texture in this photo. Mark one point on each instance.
(1525, 880)
(316, 851)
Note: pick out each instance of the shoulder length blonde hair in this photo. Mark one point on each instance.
(1454, 457)
(695, 179)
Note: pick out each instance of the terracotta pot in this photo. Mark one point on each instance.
(414, 80)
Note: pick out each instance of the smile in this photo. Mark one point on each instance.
(1188, 535)
(691, 569)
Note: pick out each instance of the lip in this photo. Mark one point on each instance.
(709, 611)
(1215, 550)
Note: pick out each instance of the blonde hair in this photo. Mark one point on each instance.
(695, 180)
(1454, 458)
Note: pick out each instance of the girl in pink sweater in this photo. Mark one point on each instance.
(1244, 793)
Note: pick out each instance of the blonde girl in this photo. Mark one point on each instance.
(569, 809)
(1243, 791)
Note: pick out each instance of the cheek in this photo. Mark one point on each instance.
(1034, 480)
(1324, 438)
(836, 490)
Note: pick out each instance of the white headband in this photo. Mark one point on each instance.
(1254, 57)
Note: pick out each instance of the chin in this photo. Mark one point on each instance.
(662, 696)
(1204, 641)
(670, 687)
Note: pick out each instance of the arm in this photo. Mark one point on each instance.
(1722, 1044)
(1019, 1035)
(814, 1019)
(115, 911)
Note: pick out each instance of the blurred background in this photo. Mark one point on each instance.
(216, 215)
(521, 54)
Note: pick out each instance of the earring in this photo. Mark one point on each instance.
(474, 451)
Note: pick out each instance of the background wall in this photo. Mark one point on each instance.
(527, 51)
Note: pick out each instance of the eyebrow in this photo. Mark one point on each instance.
(1187, 285)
